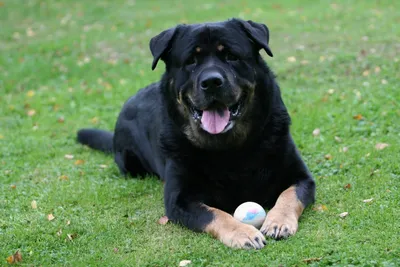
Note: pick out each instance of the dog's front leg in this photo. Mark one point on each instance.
(186, 209)
(282, 219)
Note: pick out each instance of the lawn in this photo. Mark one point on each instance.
(65, 65)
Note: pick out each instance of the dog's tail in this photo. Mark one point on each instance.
(96, 139)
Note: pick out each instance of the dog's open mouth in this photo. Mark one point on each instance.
(217, 118)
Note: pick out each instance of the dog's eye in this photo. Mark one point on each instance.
(190, 61)
(230, 57)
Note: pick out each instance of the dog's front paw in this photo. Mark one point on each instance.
(279, 224)
(244, 236)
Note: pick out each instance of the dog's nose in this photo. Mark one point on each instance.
(211, 80)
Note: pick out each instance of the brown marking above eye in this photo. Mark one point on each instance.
(220, 47)
(198, 49)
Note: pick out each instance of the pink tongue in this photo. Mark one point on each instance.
(214, 121)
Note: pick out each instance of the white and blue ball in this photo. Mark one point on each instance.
(250, 213)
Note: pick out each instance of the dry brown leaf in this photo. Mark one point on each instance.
(163, 220)
(381, 146)
(309, 260)
(320, 207)
(63, 178)
(368, 200)
(31, 112)
(69, 156)
(17, 257)
(94, 120)
(61, 119)
(291, 59)
(30, 93)
(316, 132)
(79, 162)
(72, 236)
(50, 217)
(13, 186)
(338, 139)
(347, 186)
(34, 204)
(184, 263)
(358, 117)
(343, 214)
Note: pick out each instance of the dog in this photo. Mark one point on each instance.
(216, 131)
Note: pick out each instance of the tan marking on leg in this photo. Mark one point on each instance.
(220, 47)
(233, 233)
(282, 219)
(198, 49)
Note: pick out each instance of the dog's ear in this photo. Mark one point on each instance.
(160, 44)
(258, 33)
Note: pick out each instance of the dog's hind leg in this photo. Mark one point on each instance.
(129, 163)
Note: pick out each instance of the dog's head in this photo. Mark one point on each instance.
(211, 77)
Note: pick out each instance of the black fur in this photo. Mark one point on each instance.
(156, 132)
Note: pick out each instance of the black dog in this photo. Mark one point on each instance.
(216, 131)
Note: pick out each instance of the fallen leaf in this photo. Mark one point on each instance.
(69, 156)
(34, 204)
(309, 260)
(184, 263)
(13, 186)
(368, 200)
(381, 146)
(320, 207)
(72, 236)
(31, 112)
(17, 257)
(30, 32)
(347, 186)
(63, 178)
(328, 156)
(61, 119)
(68, 222)
(50, 217)
(316, 132)
(79, 162)
(94, 120)
(163, 220)
(343, 214)
(358, 117)
(377, 69)
(30, 93)
(291, 59)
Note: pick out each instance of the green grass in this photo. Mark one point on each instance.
(347, 63)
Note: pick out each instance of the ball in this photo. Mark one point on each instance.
(250, 213)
